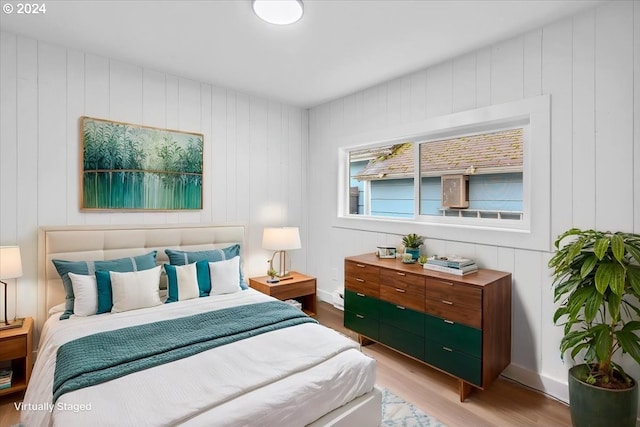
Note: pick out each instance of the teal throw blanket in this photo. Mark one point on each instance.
(105, 356)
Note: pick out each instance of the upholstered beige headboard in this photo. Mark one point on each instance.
(102, 242)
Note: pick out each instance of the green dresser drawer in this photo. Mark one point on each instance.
(360, 303)
(401, 340)
(453, 335)
(402, 318)
(362, 324)
(454, 362)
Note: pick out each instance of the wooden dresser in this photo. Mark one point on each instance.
(460, 325)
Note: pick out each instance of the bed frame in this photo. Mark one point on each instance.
(103, 242)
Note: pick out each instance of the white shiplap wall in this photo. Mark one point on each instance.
(590, 65)
(254, 155)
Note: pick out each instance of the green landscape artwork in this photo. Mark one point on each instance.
(127, 166)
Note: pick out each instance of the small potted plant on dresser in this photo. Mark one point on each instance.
(597, 282)
(412, 243)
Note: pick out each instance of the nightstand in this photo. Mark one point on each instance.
(299, 287)
(16, 347)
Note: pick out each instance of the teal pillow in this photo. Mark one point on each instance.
(105, 296)
(202, 276)
(186, 257)
(123, 265)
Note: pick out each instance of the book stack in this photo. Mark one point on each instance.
(451, 264)
(5, 378)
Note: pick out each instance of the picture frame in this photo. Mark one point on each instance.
(386, 252)
(127, 166)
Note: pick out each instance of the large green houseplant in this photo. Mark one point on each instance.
(597, 283)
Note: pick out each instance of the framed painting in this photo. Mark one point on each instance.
(134, 167)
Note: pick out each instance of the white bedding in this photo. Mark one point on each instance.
(287, 377)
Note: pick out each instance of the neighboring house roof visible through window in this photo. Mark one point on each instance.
(495, 152)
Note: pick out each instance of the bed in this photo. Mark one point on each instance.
(286, 371)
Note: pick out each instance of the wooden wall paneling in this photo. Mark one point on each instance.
(360, 122)
(343, 117)
(557, 80)
(483, 77)
(507, 71)
(75, 110)
(96, 104)
(464, 83)
(154, 98)
(256, 166)
(486, 256)
(242, 175)
(526, 335)
(230, 178)
(125, 87)
(207, 152)
(406, 99)
(172, 90)
(393, 111)
(27, 141)
(636, 124)
(584, 161)
(551, 364)
(154, 114)
(52, 136)
(296, 181)
(9, 104)
(276, 163)
(218, 151)
(532, 63)
(614, 116)
(439, 90)
(418, 96)
(189, 120)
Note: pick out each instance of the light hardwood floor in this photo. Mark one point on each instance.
(503, 404)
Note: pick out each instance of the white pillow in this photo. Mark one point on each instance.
(224, 276)
(59, 308)
(134, 290)
(85, 290)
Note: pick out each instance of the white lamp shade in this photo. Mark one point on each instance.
(281, 239)
(279, 12)
(10, 262)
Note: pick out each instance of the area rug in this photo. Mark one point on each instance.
(398, 412)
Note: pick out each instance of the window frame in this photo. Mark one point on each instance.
(532, 232)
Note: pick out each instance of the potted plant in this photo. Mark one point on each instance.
(597, 282)
(412, 243)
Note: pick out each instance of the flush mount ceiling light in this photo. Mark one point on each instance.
(279, 12)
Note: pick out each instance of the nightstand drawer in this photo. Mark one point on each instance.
(284, 290)
(13, 348)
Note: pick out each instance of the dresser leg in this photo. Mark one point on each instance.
(364, 340)
(464, 389)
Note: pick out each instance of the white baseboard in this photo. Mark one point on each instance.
(536, 381)
(324, 296)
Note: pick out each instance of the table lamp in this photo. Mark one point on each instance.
(280, 240)
(10, 268)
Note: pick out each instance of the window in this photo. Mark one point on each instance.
(466, 171)
(483, 171)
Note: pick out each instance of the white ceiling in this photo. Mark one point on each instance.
(337, 48)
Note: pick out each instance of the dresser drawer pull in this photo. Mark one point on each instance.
(359, 294)
(448, 321)
(400, 273)
(446, 349)
(447, 283)
(360, 265)
(400, 307)
(359, 280)
(400, 290)
(444, 301)
(359, 316)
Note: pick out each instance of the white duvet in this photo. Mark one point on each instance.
(288, 377)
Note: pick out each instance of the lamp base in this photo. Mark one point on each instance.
(17, 323)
